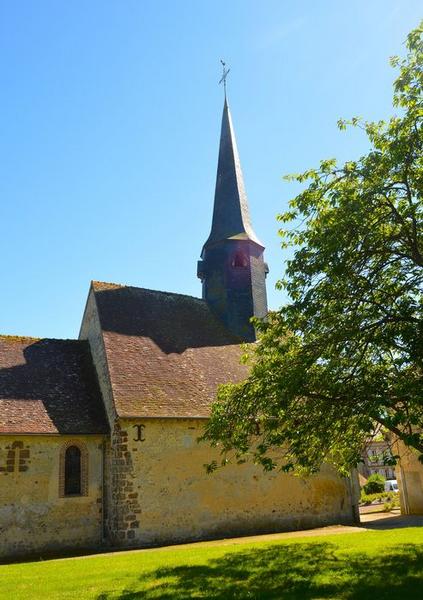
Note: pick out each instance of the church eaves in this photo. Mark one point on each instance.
(231, 217)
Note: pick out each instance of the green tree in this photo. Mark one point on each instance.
(344, 356)
(375, 484)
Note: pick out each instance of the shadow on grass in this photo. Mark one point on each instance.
(394, 522)
(288, 572)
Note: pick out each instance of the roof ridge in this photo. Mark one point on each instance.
(144, 289)
(111, 283)
(18, 338)
(29, 338)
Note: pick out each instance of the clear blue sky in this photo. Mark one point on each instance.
(110, 115)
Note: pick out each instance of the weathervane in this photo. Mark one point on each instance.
(225, 74)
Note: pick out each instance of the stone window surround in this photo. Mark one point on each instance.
(84, 469)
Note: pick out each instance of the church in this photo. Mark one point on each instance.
(99, 435)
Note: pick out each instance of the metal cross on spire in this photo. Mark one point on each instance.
(225, 74)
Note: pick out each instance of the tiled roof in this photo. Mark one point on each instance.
(48, 386)
(166, 353)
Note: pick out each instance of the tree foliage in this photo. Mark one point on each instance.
(344, 356)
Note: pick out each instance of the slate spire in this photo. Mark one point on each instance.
(231, 215)
(232, 269)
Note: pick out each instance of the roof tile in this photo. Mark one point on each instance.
(167, 353)
(48, 386)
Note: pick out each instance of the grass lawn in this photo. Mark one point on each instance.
(369, 565)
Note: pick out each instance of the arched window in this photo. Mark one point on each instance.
(239, 261)
(73, 470)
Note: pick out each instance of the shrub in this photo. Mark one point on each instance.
(366, 498)
(380, 497)
(388, 506)
(375, 484)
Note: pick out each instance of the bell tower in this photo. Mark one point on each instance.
(232, 267)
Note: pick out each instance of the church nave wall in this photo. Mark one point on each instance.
(164, 495)
(35, 515)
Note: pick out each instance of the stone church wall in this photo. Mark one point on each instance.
(34, 518)
(410, 481)
(163, 494)
(91, 331)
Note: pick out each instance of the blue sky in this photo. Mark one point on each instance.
(109, 124)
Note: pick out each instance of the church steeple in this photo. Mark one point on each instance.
(232, 269)
(231, 216)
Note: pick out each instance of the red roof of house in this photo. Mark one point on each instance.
(167, 353)
(48, 386)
